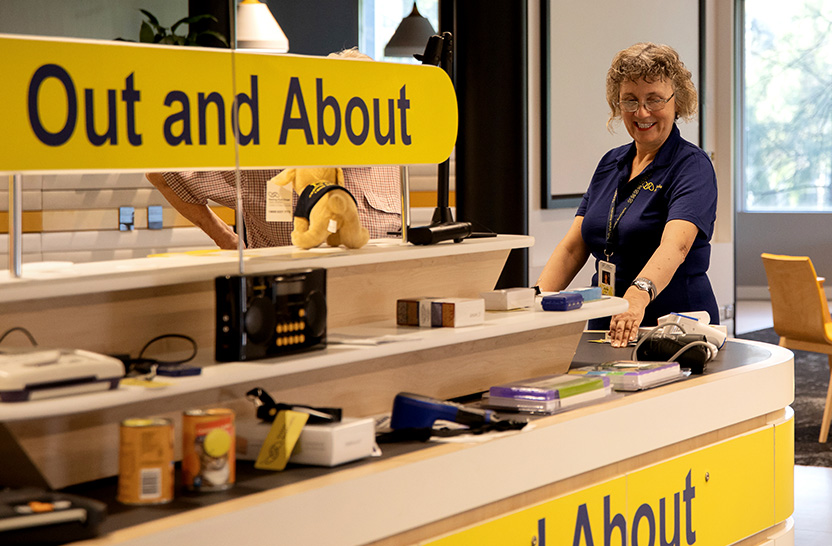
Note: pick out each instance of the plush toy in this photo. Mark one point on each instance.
(326, 210)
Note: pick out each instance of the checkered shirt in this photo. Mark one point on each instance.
(376, 190)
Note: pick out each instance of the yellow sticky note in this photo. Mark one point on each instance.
(281, 440)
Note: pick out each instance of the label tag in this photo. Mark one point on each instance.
(332, 227)
(606, 277)
(278, 202)
(281, 440)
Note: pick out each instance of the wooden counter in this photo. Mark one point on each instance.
(709, 429)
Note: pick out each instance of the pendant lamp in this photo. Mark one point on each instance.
(258, 29)
(411, 36)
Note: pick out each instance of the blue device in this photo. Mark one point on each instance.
(564, 301)
(417, 411)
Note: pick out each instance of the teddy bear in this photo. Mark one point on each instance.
(325, 211)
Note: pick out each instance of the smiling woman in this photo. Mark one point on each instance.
(648, 214)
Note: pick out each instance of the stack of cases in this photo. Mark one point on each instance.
(440, 312)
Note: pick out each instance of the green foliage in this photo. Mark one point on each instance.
(152, 32)
(788, 106)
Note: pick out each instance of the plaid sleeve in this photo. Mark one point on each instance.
(377, 190)
(199, 187)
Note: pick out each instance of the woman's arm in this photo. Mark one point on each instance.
(566, 261)
(200, 215)
(677, 238)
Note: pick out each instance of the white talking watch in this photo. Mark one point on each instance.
(643, 283)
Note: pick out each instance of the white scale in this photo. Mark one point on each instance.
(35, 374)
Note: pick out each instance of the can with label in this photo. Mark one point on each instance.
(145, 461)
(208, 455)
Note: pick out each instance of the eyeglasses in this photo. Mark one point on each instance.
(652, 105)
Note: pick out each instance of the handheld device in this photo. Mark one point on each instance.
(693, 325)
(418, 411)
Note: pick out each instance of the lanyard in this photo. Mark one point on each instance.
(612, 225)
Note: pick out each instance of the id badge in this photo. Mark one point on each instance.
(278, 202)
(606, 277)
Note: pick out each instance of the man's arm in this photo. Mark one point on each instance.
(200, 215)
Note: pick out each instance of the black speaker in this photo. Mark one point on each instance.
(262, 316)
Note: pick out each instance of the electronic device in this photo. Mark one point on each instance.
(262, 316)
(439, 51)
(563, 301)
(37, 516)
(670, 342)
(34, 373)
(693, 325)
(418, 411)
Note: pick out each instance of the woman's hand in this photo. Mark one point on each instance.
(624, 326)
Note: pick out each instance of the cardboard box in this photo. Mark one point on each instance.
(508, 298)
(457, 312)
(319, 445)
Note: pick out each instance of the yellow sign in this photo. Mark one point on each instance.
(281, 440)
(88, 105)
(711, 497)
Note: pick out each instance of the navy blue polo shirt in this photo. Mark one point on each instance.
(680, 184)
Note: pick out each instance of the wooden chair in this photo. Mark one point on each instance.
(801, 313)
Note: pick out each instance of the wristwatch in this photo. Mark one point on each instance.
(643, 283)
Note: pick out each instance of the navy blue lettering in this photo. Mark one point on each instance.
(323, 104)
(89, 108)
(582, 528)
(130, 96)
(391, 129)
(403, 105)
(183, 117)
(644, 512)
(663, 519)
(202, 107)
(62, 136)
(689, 495)
(253, 103)
(616, 522)
(302, 121)
(357, 138)
(541, 532)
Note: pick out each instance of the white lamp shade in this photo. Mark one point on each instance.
(258, 29)
(411, 36)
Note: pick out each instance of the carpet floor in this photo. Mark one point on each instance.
(811, 378)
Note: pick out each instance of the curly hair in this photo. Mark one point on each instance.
(651, 62)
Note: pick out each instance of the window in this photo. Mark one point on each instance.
(787, 97)
(381, 18)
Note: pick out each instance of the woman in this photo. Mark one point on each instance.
(648, 214)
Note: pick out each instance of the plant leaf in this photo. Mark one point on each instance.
(146, 34)
(150, 17)
(191, 20)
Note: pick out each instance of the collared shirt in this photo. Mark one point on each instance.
(680, 184)
(376, 190)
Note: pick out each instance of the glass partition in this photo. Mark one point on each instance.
(136, 150)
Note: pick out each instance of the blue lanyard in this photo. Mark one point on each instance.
(612, 236)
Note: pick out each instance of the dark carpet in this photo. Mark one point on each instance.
(811, 378)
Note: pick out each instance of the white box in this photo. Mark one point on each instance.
(508, 298)
(457, 312)
(320, 445)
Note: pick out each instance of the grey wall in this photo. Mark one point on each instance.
(797, 234)
(317, 27)
(94, 19)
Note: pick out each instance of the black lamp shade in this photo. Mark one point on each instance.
(411, 36)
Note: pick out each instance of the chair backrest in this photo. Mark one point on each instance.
(798, 302)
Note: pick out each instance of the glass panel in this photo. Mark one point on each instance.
(787, 125)
(81, 217)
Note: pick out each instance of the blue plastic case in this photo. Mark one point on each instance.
(565, 301)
